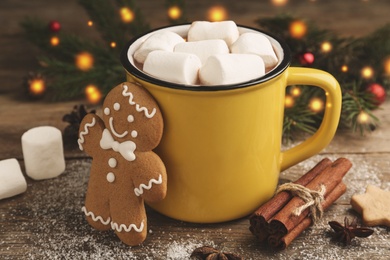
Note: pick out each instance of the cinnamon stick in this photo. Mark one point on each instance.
(307, 221)
(284, 221)
(259, 220)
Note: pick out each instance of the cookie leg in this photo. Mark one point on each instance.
(96, 209)
(129, 221)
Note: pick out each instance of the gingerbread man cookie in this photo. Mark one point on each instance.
(124, 170)
(373, 205)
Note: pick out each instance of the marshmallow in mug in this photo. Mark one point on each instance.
(203, 49)
(165, 41)
(231, 68)
(202, 30)
(177, 67)
(205, 40)
(263, 47)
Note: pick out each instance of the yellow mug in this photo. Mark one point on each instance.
(222, 145)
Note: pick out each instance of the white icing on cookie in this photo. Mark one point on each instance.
(106, 111)
(95, 218)
(81, 140)
(121, 227)
(134, 134)
(139, 191)
(137, 106)
(117, 106)
(112, 162)
(110, 177)
(111, 122)
(126, 149)
(114, 226)
(130, 119)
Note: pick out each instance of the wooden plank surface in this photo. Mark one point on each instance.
(46, 222)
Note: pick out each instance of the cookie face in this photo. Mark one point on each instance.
(131, 114)
(373, 205)
(124, 171)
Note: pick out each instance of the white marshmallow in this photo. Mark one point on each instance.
(12, 181)
(176, 67)
(164, 41)
(203, 49)
(203, 30)
(43, 152)
(256, 43)
(224, 69)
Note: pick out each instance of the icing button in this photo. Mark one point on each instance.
(110, 177)
(112, 162)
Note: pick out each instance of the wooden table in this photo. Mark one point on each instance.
(46, 222)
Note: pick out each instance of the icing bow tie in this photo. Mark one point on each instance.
(126, 149)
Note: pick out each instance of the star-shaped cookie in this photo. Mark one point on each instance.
(374, 205)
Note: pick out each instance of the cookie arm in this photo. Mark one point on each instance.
(90, 133)
(151, 181)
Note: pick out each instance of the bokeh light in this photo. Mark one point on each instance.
(217, 13)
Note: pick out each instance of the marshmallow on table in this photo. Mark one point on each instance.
(176, 67)
(224, 69)
(256, 43)
(164, 41)
(202, 30)
(43, 152)
(203, 49)
(12, 181)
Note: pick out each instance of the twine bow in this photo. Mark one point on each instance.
(312, 199)
(126, 149)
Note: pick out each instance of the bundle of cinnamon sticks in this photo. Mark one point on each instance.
(275, 224)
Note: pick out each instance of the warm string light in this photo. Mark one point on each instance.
(279, 2)
(296, 91)
(316, 105)
(297, 29)
(37, 87)
(344, 68)
(113, 44)
(90, 23)
(84, 61)
(174, 12)
(363, 117)
(367, 72)
(217, 13)
(387, 66)
(127, 15)
(93, 94)
(288, 101)
(326, 47)
(54, 41)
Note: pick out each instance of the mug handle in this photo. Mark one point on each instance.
(328, 127)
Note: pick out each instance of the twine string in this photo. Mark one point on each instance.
(312, 199)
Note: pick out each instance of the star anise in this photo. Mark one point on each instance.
(209, 253)
(349, 231)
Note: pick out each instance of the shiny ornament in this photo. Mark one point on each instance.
(378, 93)
(54, 26)
(306, 58)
